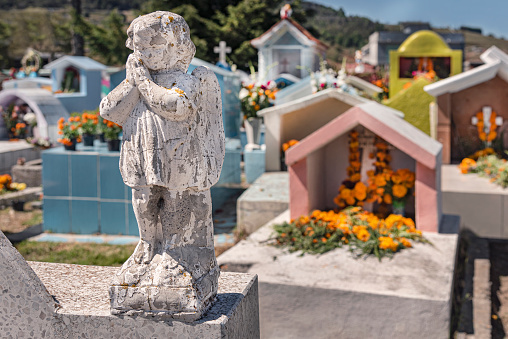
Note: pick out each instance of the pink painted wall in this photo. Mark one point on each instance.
(298, 194)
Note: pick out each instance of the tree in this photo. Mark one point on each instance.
(5, 35)
(106, 42)
(78, 42)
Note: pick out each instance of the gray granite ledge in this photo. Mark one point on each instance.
(83, 290)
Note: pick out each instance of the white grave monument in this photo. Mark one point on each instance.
(172, 153)
(222, 49)
(287, 48)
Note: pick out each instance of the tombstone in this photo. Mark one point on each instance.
(47, 108)
(288, 48)
(422, 52)
(77, 82)
(316, 165)
(50, 300)
(299, 118)
(461, 98)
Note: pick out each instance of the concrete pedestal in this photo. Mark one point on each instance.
(46, 300)
(480, 204)
(254, 161)
(265, 199)
(337, 296)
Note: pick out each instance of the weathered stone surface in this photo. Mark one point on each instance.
(30, 173)
(334, 295)
(172, 153)
(48, 300)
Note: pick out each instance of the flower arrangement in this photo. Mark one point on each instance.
(111, 130)
(255, 97)
(490, 166)
(491, 134)
(384, 186)
(20, 129)
(43, 143)
(365, 233)
(381, 155)
(287, 145)
(69, 130)
(352, 192)
(323, 79)
(10, 116)
(383, 84)
(89, 122)
(390, 187)
(6, 184)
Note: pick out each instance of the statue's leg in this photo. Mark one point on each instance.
(146, 208)
(187, 229)
(186, 218)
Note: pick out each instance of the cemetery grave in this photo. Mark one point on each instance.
(328, 171)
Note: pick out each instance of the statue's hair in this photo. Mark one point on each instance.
(165, 21)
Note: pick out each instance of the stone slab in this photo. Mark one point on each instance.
(28, 194)
(48, 300)
(254, 162)
(479, 203)
(265, 199)
(10, 151)
(336, 296)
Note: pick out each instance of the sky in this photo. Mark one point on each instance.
(489, 15)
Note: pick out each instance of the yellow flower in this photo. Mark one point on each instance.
(387, 198)
(399, 191)
(363, 235)
(345, 193)
(380, 181)
(360, 191)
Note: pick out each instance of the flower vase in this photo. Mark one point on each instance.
(114, 145)
(88, 139)
(253, 130)
(71, 147)
(399, 207)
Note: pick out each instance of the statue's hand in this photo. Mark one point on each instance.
(136, 71)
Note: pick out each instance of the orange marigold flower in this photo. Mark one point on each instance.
(387, 198)
(363, 235)
(399, 191)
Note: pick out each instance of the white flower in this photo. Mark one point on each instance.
(313, 82)
(314, 89)
(243, 93)
(30, 118)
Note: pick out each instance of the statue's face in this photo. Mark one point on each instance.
(164, 48)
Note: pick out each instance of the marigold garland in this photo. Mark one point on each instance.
(352, 192)
(365, 233)
(492, 134)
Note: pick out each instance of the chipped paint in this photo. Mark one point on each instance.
(172, 153)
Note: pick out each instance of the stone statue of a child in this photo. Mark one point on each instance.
(172, 153)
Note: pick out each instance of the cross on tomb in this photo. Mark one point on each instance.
(487, 112)
(284, 63)
(222, 49)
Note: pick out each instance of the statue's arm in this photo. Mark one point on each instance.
(120, 102)
(170, 103)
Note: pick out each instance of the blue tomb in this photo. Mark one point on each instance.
(84, 192)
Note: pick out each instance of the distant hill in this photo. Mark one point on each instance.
(344, 34)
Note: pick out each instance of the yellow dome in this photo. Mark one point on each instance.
(424, 43)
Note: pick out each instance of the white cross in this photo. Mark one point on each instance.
(487, 111)
(222, 50)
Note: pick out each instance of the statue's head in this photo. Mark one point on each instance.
(162, 41)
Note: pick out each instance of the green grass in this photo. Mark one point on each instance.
(36, 219)
(75, 253)
(414, 103)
